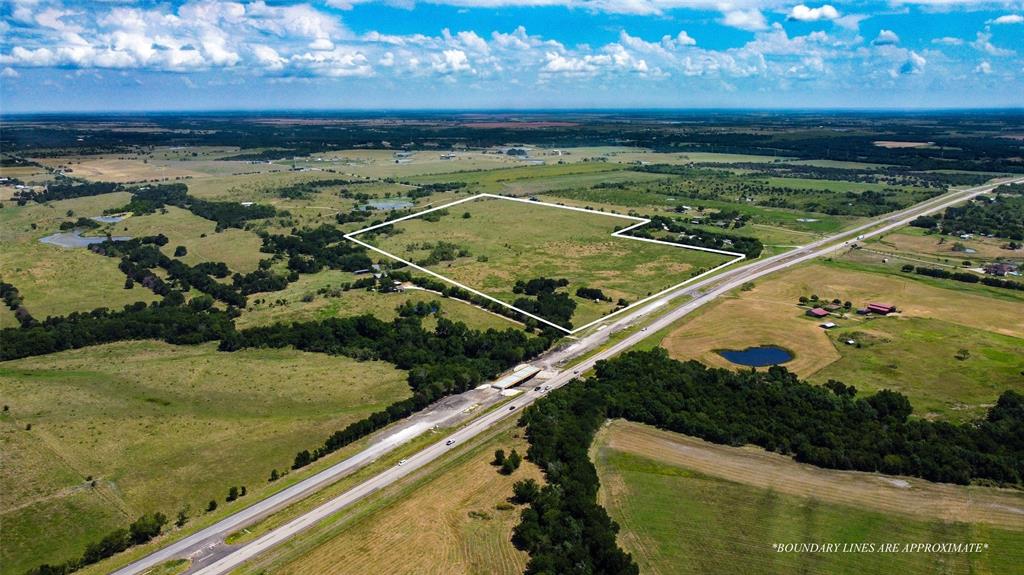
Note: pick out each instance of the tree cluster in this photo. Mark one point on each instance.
(12, 299)
(964, 277)
(683, 235)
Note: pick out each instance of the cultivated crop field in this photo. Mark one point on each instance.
(505, 241)
(152, 425)
(688, 506)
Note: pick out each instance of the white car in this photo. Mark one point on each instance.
(450, 442)
(402, 462)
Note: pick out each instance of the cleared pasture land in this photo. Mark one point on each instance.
(55, 280)
(927, 327)
(688, 506)
(949, 249)
(423, 526)
(919, 357)
(354, 302)
(509, 241)
(239, 249)
(159, 427)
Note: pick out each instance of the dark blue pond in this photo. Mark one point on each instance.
(757, 356)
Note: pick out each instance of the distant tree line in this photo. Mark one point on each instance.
(965, 277)
(65, 189)
(305, 189)
(450, 359)
(149, 199)
(565, 530)
(748, 246)
(80, 223)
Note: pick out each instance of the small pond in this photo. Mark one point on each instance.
(74, 239)
(760, 356)
(108, 219)
(388, 204)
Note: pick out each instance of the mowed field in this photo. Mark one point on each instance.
(53, 280)
(509, 241)
(915, 349)
(160, 427)
(453, 519)
(688, 506)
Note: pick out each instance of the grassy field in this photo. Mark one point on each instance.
(354, 302)
(921, 342)
(239, 249)
(54, 280)
(451, 519)
(686, 506)
(918, 357)
(521, 241)
(159, 427)
(914, 242)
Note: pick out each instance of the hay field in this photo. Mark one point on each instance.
(913, 241)
(421, 527)
(509, 241)
(160, 427)
(687, 506)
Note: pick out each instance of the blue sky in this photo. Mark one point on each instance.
(123, 55)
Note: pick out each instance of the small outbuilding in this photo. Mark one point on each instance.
(818, 312)
(881, 308)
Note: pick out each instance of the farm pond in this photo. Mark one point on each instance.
(760, 356)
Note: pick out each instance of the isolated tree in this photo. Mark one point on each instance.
(232, 493)
(129, 283)
(212, 506)
(180, 251)
(274, 475)
(499, 457)
(182, 517)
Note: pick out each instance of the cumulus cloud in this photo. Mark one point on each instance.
(751, 20)
(9, 72)
(948, 41)
(914, 65)
(803, 13)
(1008, 19)
(886, 38)
(983, 67)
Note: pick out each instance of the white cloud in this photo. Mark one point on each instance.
(983, 43)
(914, 65)
(805, 14)
(948, 41)
(9, 72)
(983, 68)
(684, 39)
(886, 38)
(751, 20)
(1008, 19)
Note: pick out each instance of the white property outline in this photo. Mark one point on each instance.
(619, 234)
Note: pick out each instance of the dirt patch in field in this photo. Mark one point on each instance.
(892, 144)
(756, 467)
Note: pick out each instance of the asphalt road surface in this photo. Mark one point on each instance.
(702, 292)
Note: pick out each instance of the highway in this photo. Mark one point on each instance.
(701, 293)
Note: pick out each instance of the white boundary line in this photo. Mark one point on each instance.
(619, 234)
